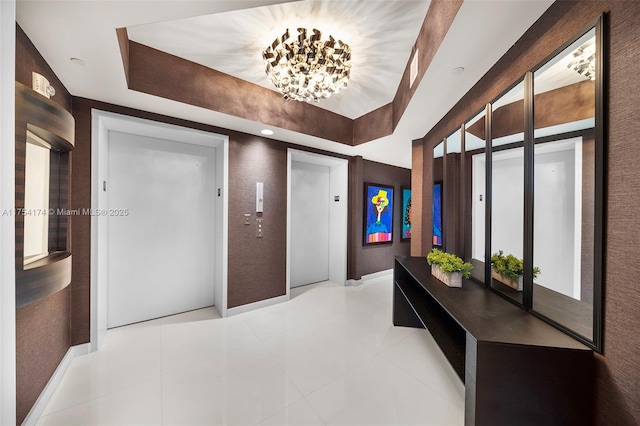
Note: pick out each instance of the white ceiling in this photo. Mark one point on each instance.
(480, 34)
(380, 33)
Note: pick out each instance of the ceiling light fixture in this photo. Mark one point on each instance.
(584, 60)
(457, 70)
(266, 132)
(306, 68)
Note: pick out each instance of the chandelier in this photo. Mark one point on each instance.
(584, 60)
(306, 68)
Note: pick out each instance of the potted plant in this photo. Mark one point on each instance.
(448, 268)
(509, 269)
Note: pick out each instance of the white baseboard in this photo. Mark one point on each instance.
(54, 381)
(371, 277)
(256, 305)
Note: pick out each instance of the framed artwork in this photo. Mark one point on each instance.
(406, 213)
(437, 214)
(378, 214)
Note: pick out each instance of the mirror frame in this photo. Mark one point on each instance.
(596, 342)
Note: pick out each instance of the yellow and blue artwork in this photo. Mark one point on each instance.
(378, 217)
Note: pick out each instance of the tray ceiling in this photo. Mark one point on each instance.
(381, 34)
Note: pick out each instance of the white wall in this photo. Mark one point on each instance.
(36, 198)
(557, 209)
(507, 203)
(478, 207)
(556, 219)
(7, 230)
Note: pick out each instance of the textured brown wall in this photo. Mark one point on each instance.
(81, 225)
(257, 266)
(379, 258)
(161, 74)
(417, 203)
(618, 378)
(617, 375)
(42, 328)
(354, 224)
(42, 340)
(373, 125)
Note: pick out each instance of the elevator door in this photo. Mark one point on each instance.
(161, 228)
(309, 223)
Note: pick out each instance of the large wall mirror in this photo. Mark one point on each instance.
(475, 162)
(565, 185)
(507, 188)
(452, 222)
(437, 205)
(528, 175)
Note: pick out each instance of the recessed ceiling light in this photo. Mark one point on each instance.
(457, 70)
(266, 132)
(77, 61)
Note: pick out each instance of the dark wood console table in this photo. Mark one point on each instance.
(517, 369)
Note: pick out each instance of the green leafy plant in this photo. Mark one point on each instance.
(510, 266)
(449, 263)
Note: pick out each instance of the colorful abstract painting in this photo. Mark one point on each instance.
(406, 213)
(378, 214)
(437, 214)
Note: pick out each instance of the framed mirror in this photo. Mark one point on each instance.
(568, 187)
(475, 171)
(507, 193)
(437, 205)
(522, 185)
(453, 222)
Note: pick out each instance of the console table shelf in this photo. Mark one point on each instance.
(517, 369)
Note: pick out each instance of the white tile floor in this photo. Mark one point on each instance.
(330, 356)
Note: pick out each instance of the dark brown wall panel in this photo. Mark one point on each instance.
(417, 202)
(42, 328)
(354, 223)
(379, 258)
(618, 379)
(42, 340)
(161, 74)
(123, 42)
(376, 124)
(564, 105)
(29, 60)
(257, 266)
(81, 226)
(617, 374)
